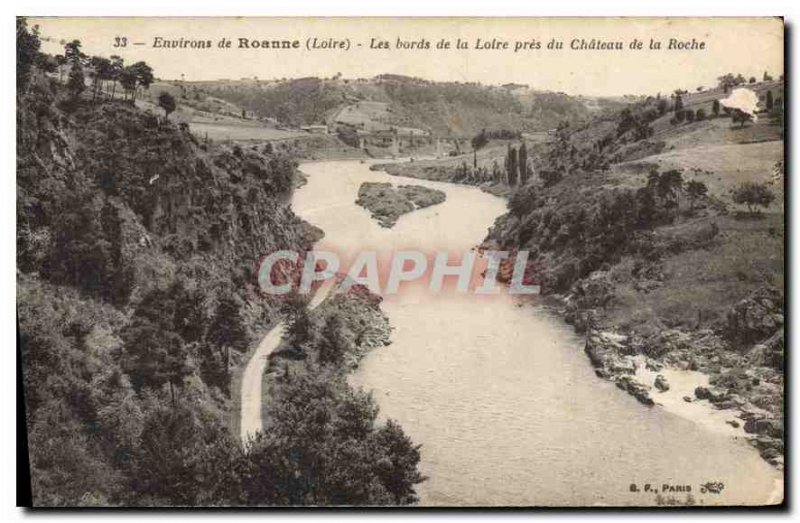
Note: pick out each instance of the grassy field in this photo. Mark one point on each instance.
(236, 131)
(700, 285)
(720, 166)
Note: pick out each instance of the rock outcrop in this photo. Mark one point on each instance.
(755, 318)
(610, 356)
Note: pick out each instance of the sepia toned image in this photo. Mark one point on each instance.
(417, 262)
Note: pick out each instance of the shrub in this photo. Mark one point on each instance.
(480, 140)
(694, 191)
(753, 195)
(348, 135)
(741, 117)
(550, 177)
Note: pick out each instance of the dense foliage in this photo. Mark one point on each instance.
(135, 248)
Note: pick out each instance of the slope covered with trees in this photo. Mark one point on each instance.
(136, 300)
(659, 228)
(667, 233)
(444, 108)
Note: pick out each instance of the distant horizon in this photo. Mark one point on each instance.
(739, 46)
(667, 92)
(370, 78)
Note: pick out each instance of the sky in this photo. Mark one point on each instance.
(748, 46)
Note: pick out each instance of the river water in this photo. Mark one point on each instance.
(500, 395)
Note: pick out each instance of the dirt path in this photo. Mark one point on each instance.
(251, 392)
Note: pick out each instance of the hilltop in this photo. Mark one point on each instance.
(395, 101)
(385, 116)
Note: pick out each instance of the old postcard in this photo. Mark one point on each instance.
(451, 262)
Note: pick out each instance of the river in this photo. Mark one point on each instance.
(500, 395)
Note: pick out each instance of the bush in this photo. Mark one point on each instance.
(480, 140)
(550, 177)
(753, 195)
(349, 136)
(741, 117)
(523, 201)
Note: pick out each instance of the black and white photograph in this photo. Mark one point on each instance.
(467, 262)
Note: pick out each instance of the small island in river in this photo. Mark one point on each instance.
(387, 202)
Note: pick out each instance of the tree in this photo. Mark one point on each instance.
(523, 163)
(662, 106)
(117, 66)
(227, 330)
(480, 140)
(646, 211)
(752, 80)
(551, 177)
(46, 63)
(136, 75)
(185, 459)
(397, 466)
(167, 102)
(689, 115)
(333, 344)
(127, 79)
(770, 102)
(300, 328)
(322, 447)
(524, 201)
(700, 115)
(155, 356)
(61, 60)
(101, 72)
(767, 77)
(28, 44)
(776, 115)
(741, 117)
(157, 341)
(72, 51)
(678, 108)
(144, 74)
(753, 195)
(727, 81)
(512, 165)
(76, 83)
(694, 191)
(668, 186)
(715, 108)
(497, 174)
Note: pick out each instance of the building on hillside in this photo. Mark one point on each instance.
(706, 97)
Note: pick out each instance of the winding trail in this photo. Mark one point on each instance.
(251, 392)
